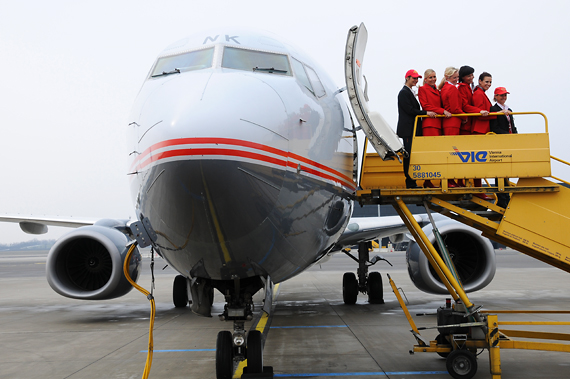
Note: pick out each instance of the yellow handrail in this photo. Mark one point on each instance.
(479, 114)
(559, 160)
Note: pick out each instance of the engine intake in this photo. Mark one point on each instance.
(88, 263)
(472, 255)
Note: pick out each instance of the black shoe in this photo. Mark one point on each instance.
(502, 204)
(503, 200)
(412, 185)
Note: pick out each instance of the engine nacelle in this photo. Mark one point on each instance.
(472, 255)
(397, 238)
(88, 263)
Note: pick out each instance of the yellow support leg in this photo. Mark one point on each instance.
(494, 348)
(418, 233)
(403, 305)
(426, 251)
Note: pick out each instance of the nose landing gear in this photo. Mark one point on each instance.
(233, 348)
(368, 283)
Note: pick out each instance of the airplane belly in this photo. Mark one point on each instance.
(217, 219)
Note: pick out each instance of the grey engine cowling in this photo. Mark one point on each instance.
(87, 264)
(472, 254)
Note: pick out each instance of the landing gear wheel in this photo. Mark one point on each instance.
(349, 288)
(254, 352)
(374, 287)
(180, 291)
(224, 355)
(441, 340)
(461, 364)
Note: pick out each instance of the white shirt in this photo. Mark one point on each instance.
(502, 106)
(413, 89)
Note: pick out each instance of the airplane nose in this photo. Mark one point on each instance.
(232, 105)
(225, 180)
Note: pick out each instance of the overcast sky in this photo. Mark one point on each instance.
(71, 70)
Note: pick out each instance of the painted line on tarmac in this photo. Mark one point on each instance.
(309, 326)
(394, 373)
(176, 350)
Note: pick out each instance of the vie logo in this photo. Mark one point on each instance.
(470, 156)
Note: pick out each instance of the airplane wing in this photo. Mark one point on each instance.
(38, 225)
(361, 229)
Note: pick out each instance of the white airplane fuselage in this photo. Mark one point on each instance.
(243, 160)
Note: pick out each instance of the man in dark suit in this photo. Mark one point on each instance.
(502, 125)
(408, 109)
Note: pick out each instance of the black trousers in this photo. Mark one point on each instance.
(408, 146)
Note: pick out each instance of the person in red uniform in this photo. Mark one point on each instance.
(480, 125)
(451, 101)
(466, 88)
(430, 99)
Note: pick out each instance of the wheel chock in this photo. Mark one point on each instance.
(266, 374)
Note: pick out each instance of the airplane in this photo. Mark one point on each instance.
(243, 167)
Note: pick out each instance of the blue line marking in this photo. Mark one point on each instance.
(361, 374)
(174, 351)
(306, 327)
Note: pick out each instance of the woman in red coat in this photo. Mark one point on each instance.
(480, 125)
(430, 99)
(466, 90)
(451, 101)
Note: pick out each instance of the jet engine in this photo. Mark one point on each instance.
(472, 255)
(397, 238)
(87, 264)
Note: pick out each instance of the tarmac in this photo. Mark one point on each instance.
(312, 334)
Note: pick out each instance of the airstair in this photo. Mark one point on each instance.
(535, 220)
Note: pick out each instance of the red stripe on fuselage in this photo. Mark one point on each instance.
(233, 152)
(214, 151)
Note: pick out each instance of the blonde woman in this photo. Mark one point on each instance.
(430, 99)
(451, 101)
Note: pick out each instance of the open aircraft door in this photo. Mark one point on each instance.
(379, 133)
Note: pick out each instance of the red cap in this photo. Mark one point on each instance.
(500, 91)
(413, 74)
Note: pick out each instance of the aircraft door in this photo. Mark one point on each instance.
(379, 133)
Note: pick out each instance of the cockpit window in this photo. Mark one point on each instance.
(258, 61)
(301, 74)
(175, 64)
(316, 82)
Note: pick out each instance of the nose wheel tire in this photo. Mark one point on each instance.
(374, 287)
(224, 355)
(349, 288)
(461, 364)
(180, 291)
(254, 352)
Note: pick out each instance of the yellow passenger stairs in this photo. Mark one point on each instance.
(537, 217)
